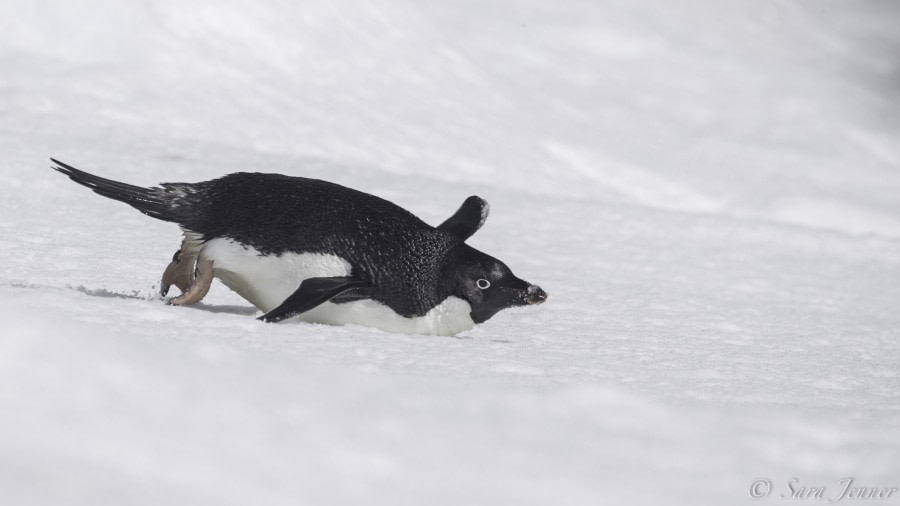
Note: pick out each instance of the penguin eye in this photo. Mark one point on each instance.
(483, 284)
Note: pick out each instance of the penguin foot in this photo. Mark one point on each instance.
(179, 272)
(199, 286)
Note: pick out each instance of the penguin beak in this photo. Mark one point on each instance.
(535, 295)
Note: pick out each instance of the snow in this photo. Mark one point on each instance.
(706, 190)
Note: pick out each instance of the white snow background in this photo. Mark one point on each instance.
(709, 191)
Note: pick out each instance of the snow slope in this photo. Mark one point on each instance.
(708, 192)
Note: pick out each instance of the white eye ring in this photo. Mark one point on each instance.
(483, 284)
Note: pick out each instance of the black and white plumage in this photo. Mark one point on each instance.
(295, 246)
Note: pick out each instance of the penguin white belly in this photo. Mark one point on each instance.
(267, 280)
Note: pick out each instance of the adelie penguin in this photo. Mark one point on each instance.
(294, 246)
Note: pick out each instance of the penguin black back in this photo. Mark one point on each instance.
(387, 245)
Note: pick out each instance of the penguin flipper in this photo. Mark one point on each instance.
(468, 218)
(311, 293)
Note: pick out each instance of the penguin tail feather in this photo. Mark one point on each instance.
(154, 202)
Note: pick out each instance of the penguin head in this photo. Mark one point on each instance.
(488, 285)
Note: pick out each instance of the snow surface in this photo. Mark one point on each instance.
(707, 190)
